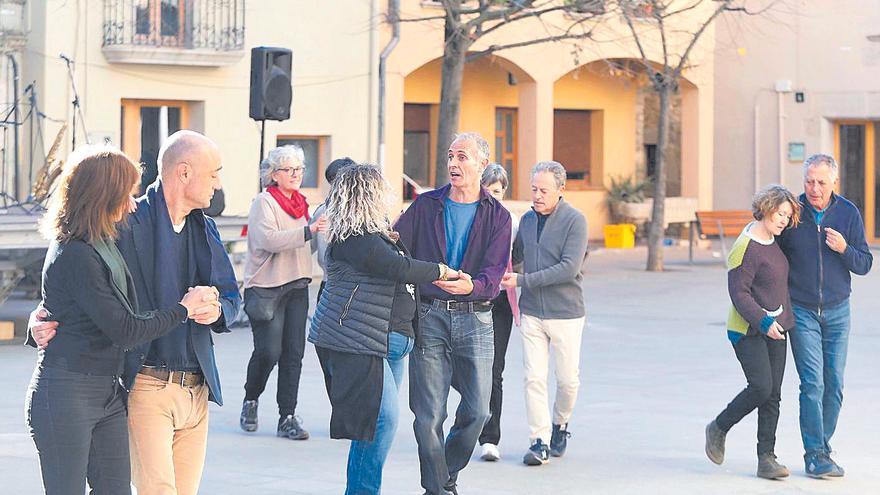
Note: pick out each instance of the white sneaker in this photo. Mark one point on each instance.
(490, 452)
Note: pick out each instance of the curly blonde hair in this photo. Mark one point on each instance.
(357, 204)
(769, 199)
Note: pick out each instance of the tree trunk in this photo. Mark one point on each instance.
(655, 229)
(454, 53)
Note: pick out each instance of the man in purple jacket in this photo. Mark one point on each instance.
(464, 227)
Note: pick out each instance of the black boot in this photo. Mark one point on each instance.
(248, 420)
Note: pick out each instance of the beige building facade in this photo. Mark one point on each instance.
(146, 68)
(800, 80)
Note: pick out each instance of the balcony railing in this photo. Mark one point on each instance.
(192, 32)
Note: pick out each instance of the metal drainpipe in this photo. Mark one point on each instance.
(393, 17)
(373, 56)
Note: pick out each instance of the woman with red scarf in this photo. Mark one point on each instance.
(276, 287)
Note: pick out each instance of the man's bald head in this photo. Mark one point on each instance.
(184, 147)
(189, 169)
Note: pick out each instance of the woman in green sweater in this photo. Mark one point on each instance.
(757, 281)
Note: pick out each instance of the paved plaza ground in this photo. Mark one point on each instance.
(656, 366)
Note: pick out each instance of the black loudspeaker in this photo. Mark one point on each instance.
(271, 91)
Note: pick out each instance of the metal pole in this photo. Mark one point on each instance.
(262, 148)
(76, 106)
(17, 117)
(33, 115)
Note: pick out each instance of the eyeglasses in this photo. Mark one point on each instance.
(291, 171)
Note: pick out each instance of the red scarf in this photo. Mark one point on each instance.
(295, 206)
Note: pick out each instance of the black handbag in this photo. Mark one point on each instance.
(260, 302)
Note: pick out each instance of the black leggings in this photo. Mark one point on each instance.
(763, 363)
(502, 322)
(280, 340)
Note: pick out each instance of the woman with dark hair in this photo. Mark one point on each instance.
(75, 404)
(366, 320)
(277, 275)
(757, 281)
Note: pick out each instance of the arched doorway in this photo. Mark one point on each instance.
(490, 99)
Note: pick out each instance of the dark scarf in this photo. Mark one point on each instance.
(295, 206)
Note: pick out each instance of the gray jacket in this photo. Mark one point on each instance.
(551, 270)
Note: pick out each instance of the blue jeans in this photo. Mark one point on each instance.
(819, 344)
(366, 459)
(454, 349)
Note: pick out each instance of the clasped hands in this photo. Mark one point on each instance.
(202, 305)
(458, 283)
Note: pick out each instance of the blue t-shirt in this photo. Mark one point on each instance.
(818, 214)
(458, 218)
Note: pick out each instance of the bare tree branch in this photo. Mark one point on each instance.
(649, 69)
(682, 10)
(420, 19)
(724, 4)
(657, 15)
(535, 14)
(549, 39)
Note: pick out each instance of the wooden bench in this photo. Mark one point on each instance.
(719, 223)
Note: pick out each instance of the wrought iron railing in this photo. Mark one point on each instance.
(210, 24)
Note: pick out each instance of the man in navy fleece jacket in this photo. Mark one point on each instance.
(826, 246)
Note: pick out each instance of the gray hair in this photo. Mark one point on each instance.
(357, 203)
(279, 157)
(820, 159)
(481, 144)
(554, 168)
(494, 173)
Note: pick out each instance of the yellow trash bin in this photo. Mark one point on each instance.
(621, 236)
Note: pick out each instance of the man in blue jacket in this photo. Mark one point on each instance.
(171, 245)
(822, 251)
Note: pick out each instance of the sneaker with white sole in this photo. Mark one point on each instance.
(290, 426)
(538, 454)
(490, 452)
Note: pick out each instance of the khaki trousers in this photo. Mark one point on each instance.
(539, 337)
(168, 436)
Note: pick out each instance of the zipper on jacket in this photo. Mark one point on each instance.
(348, 304)
(821, 269)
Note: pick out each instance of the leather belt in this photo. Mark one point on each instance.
(459, 306)
(183, 378)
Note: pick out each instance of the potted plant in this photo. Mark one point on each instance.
(626, 200)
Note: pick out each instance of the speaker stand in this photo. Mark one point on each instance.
(262, 148)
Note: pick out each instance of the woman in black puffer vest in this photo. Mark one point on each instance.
(366, 320)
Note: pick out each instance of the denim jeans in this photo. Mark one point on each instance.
(453, 349)
(78, 423)
(819, 344)
(763, 362)
(366, 459)
(280, 340)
